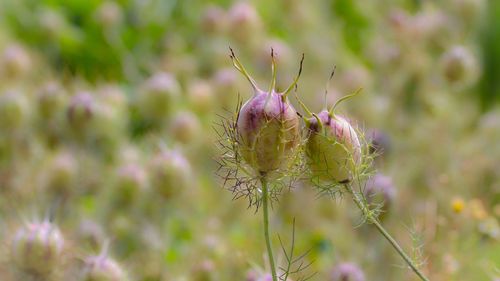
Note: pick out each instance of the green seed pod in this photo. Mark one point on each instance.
(333, 147)
(268, 126)
(102, 268)
(37, 248)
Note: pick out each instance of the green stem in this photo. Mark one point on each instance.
(265, 207)
(370, 217)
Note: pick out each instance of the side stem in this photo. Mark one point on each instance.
(265, 208)
(362, 206)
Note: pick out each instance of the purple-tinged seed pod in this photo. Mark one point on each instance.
(347, 272)
(380, 190)
(268, 126)
(333, 147)
(102, 268)
(37, 249)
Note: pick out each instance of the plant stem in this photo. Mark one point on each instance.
(372, 219)
(265, 203)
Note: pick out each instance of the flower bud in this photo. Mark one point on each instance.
(15, 61)
(201, 96)
(244, 21)
(50, 100)
(102, 268)
(109, 14)
(225, 84)
(81, 110)
(458, 64)
(171, 172)
(347, 272)
(13, 110)
(158, 96)
(185, 127)
(214, 19)
(333, 147)
(62, 172)
(37, 248)
(268, 126)
(130, 180)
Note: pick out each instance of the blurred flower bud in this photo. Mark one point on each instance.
(81, 110)
(185, 127)
(62, 172)
(213, 19)
(204, 271)
(13, 111)
(171, 173)
(244, 21)
(225, 82)
(130, 180)
(102, 268)
(37, 249)
(15, 61)
(90, 233)
(458, 65)
(347, 272)
(158, 96)
(51, 100)
(109, 14)
(201, 96)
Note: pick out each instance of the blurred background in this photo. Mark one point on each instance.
(107, 115)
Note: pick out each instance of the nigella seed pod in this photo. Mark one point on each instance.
(268, 126)
(37, 248)
(102, 268)
(333, 147)
(347, 272)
